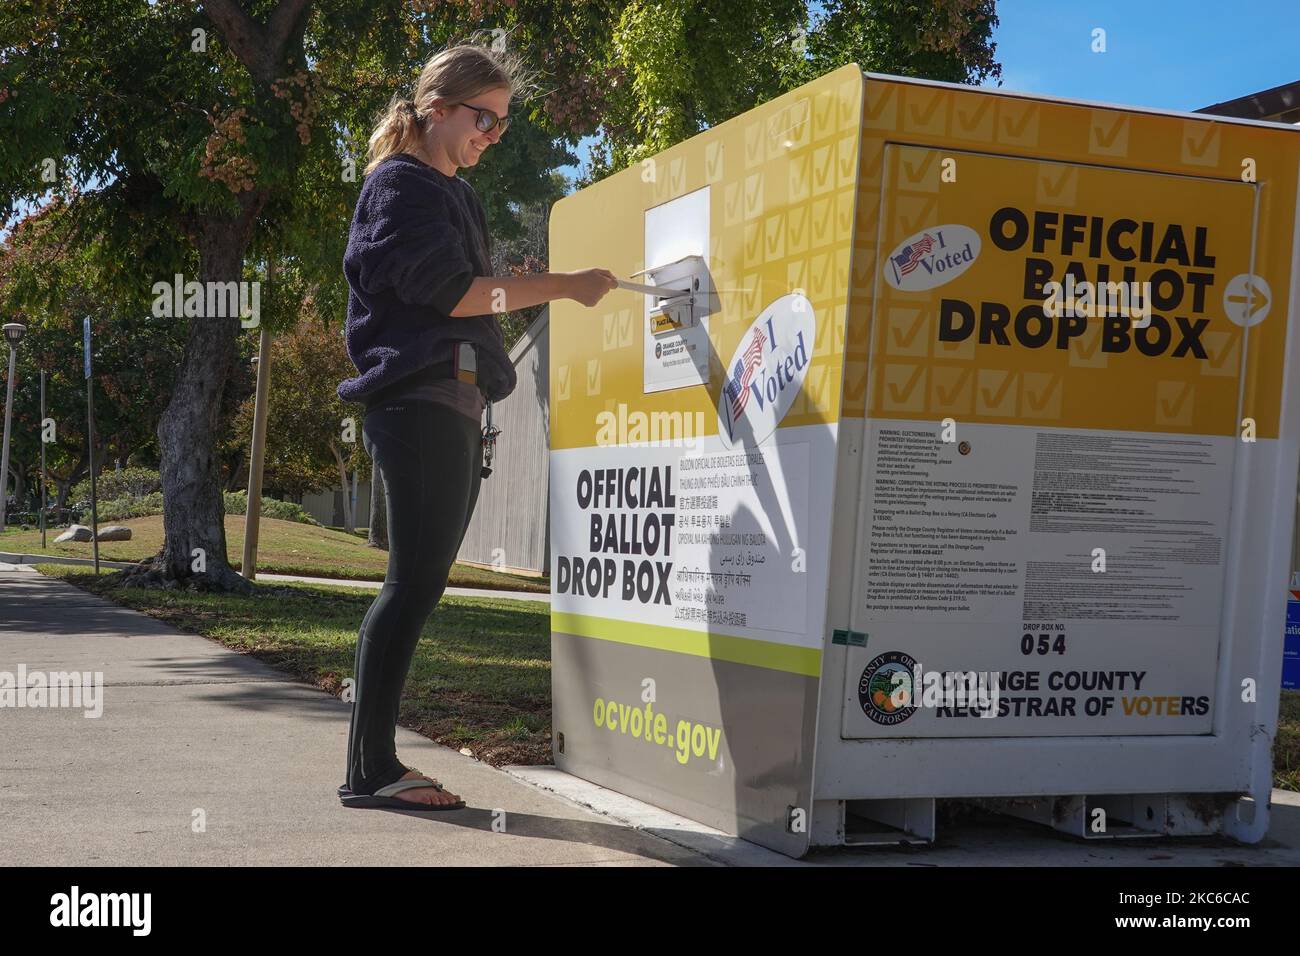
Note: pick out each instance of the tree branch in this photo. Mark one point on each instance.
(242, 34)
(287, 21)
(260, 49)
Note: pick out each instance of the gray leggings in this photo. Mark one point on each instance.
(430, 456)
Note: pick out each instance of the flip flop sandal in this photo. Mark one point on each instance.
(385, 797)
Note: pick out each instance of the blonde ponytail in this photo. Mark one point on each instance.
(455, 74)
(398, 131)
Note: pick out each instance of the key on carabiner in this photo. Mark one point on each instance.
(489, 440)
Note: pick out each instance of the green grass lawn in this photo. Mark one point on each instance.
(284, 547)
(480, 677)
(1286, 749)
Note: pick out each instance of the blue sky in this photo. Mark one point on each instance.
(1168, 54)
(1171, 54)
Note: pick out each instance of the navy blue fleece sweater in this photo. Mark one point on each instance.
(418, 238)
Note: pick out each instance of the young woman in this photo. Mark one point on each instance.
(428, 350)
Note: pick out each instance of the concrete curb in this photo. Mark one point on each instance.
(542, 597)
(9, 557)
(719, 848)
(1007, 843)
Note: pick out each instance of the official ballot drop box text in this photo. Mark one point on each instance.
(865, 512)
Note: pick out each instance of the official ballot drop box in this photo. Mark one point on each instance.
(863, 512)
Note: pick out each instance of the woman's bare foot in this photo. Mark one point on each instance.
(429, 795)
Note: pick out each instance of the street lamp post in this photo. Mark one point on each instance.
(43, 486)
(256, 456)
(14, 332)
(257, 453)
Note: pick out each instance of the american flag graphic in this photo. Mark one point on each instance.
(910, 257)
(737, 388)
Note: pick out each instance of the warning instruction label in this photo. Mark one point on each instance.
(1052, 560)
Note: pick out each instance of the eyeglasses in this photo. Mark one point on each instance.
(486, 120)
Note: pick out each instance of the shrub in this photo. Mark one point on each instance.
(237, 504)
(116, 485)
(123, 508)
(152, 504)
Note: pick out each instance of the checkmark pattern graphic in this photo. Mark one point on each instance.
(1108, 133)
(803, 197)
(1200, 144)
(787, 209)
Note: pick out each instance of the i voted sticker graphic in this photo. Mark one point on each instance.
(766, 371)
(932, 257)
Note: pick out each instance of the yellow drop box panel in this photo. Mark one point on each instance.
(957, 459)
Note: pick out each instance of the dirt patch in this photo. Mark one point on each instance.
(495, 731)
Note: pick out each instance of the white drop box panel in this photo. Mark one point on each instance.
(674, 230)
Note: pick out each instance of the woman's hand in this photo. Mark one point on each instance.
(589, 286)
(489, 295)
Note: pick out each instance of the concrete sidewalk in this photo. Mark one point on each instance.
(188, 726)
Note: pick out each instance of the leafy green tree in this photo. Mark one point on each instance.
(50, 287)
(205, 137)
(526, 253)
(677, 67)
(307, 427)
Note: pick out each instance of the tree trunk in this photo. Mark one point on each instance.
(343, 479)
(20, 484)
(194, 532)
(235, 470)
(78, 472)
(62, 487)
(352, 501)
(377, 535)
